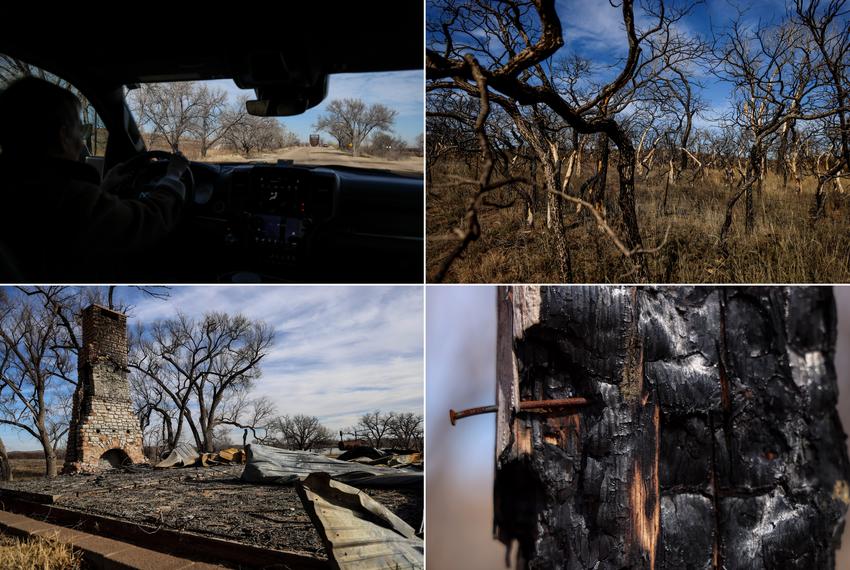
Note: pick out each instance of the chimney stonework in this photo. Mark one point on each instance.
(104, 430)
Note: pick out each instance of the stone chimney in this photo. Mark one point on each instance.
(104, 431)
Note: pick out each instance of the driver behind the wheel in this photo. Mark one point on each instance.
(57, 218)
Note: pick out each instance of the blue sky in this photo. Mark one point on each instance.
(339, 351)
(594, 29)
(402, 91)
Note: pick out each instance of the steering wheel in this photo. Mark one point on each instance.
(145, 169)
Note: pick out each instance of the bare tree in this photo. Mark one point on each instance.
(172, 110)
(249, 414)
(350, 121)
(213, 118)
(375, 427)
(775, 80)
(300, 432)
(155, 409)
(829, 30)
(512, 62)
(199, 364)
(406, 429)
(34, 368)
(252, 134)
(386, 145)
(221, 438)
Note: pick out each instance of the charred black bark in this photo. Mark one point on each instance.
(711, 439)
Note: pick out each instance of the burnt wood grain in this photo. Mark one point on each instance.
(711, 439)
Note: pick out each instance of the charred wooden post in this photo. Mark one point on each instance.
(710, 438)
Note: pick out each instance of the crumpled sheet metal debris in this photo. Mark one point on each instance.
(185, 455)
(358, 532)
(361, 453)
(409, 461)
(283, 467)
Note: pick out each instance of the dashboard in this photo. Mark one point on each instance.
(282, 222)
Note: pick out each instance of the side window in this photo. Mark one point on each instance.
(97, 136)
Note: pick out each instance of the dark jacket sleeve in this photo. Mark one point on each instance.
(115, 224)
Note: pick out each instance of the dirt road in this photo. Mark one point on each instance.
(328, 157)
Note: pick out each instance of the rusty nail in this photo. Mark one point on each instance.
(525, 406)
(454, 416)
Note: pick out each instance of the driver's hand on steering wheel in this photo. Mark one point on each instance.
(177, 165)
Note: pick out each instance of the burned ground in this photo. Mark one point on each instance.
(785, 247)
(210, 501)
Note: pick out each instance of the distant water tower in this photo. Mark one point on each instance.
(314, 140)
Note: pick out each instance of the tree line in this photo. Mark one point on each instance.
(177, 111)
(174, 112)
(195, 112)
(378, 429)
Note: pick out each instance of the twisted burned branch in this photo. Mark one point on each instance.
(603, 225)
(471, 227)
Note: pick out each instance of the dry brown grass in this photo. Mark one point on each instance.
(37, 554)
(784, 247)
(23, 469)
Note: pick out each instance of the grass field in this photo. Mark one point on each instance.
(784, 247)
(23, 469)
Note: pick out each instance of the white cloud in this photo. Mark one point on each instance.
(596, 26)
(339, 351)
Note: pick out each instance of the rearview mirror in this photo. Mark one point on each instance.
(287, 100)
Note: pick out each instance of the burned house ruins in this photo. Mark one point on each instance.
(104, 430)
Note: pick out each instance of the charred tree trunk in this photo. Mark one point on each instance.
(783, 152)
(578, 144)
(626, 201)
(5, 466)
(557, 231)
(756, 161)
(532, 206)
(818, 208)
(710, 438)
(600, 181)
(668, 181)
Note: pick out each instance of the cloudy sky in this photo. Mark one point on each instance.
(402, 91)
(338, 351)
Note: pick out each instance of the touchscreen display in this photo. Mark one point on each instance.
(277, 228)
(269, 227)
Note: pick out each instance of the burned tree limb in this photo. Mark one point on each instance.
(509, 80)
(710, 440)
